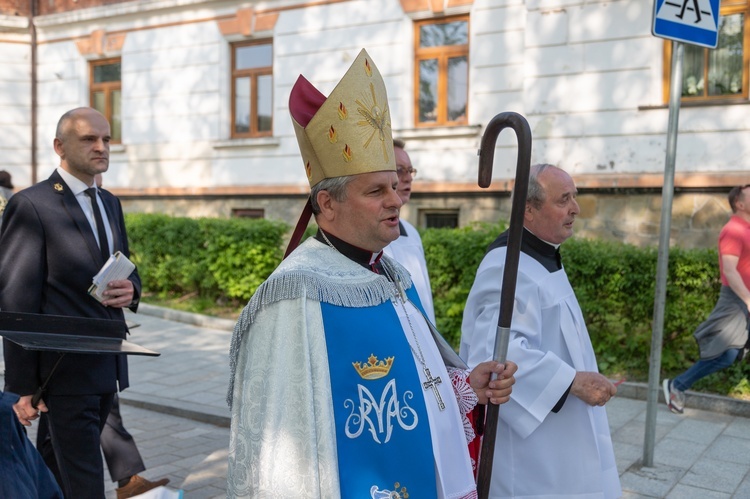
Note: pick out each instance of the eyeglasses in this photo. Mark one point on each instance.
(403, 171)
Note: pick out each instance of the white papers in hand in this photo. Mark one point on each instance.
(117, 267)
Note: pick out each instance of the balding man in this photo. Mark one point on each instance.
(553, 441)
(56, 236)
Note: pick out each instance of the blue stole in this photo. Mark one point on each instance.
(382, 431)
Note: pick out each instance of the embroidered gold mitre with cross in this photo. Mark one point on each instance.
(350, 131)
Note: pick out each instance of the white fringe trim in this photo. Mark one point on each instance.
(316, 272)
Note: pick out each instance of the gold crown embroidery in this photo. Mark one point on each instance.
(374, 369)
(400, 491)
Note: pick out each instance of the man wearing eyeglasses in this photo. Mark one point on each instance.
(723, 336)
(407, 249)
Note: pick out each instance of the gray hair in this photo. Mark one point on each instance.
(536, 195)
(335, 186)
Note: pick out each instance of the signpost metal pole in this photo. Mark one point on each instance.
(667, 193)
(701, 28)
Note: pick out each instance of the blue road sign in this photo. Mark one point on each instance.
(690, 21)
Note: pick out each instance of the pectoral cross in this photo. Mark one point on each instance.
(433, 383)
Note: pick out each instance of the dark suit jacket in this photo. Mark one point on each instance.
(48, 257)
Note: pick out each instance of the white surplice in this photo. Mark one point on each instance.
(409, 252)
(538, 453)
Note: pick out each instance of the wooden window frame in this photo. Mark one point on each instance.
(442, 53)
(106, 87)
(253, 74)
(727, 8)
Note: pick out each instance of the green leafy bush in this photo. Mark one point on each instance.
(453, 256)
(168, 252)
(615, 285)
(212, 258)
(217, 260)
(242, 253)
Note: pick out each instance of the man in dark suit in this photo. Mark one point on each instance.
(55, 237)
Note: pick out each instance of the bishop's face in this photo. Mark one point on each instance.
(368, 217)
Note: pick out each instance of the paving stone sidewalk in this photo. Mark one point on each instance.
(176, 411)
(192, 454)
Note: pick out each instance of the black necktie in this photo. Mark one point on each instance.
(103, 246)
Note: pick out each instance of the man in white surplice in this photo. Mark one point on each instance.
(553, 437)
(339, 386)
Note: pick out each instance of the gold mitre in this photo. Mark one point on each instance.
(350, 131)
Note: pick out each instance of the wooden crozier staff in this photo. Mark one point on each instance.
(508, 292)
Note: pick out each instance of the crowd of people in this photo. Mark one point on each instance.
(341, 385)
(376, 403)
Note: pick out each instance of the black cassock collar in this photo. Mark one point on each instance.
(543, 252)
(363, 257)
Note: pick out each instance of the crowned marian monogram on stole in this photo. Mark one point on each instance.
(378, 413)
(383, 441)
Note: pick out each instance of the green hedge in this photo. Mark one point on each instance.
(614, 283)
(453, 256)
(220, 260)
(208, 257)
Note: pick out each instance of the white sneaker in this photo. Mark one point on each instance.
(674, 398)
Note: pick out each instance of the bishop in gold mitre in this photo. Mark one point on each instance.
(347, 133)
(340, 386)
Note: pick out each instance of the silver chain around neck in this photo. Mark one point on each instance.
(328, 241)
(400, 297)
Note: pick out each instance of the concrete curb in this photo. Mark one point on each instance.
(693, 400)
(187, 410)
(192, 411)
(187, 317)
